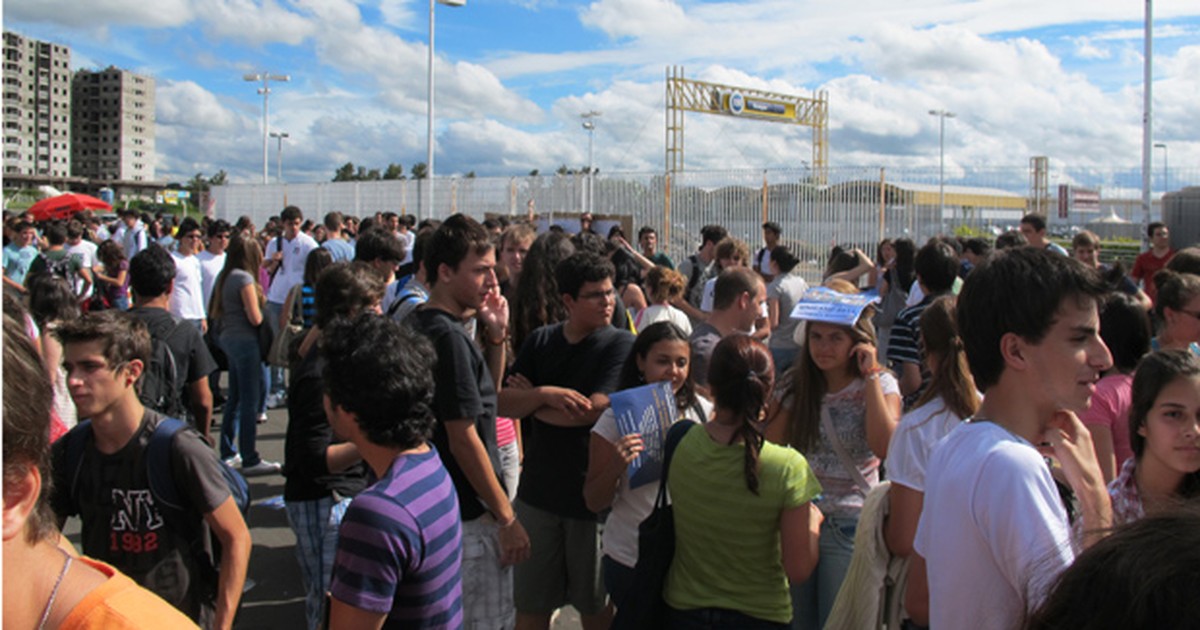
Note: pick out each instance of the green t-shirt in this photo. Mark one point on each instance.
(727, 552)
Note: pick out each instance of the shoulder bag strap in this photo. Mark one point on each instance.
(843, 456)
(674, 437)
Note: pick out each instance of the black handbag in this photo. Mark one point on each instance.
(266, 336)
(644, 608)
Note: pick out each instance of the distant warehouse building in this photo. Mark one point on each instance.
(918, 210)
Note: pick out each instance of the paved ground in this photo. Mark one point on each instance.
(275, 599)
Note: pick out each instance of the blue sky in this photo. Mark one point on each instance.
(1026, 78)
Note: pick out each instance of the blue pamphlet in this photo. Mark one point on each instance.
(648, 410)
(820, 304)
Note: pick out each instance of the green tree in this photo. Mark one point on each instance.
(534, 173)
(470, 175)
(420, 170)
(373, 175)
(394, 171)
(344, 173)
(219, 178)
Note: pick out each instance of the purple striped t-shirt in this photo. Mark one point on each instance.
(400, 547)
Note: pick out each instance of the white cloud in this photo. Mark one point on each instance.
(636, 18)
(91, 14)
(253, 23)
(398, 14)
(186, 104)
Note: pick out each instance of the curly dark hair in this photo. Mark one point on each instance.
(538, 300)
(382, 372)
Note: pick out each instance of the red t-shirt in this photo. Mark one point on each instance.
(1144, 268)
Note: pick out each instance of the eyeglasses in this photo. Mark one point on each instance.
(598, 295)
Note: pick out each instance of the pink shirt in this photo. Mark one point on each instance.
(1110, 409)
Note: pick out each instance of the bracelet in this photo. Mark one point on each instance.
(874, 373)
(509, 522)
(497, 343)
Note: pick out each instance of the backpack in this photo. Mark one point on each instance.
(161, 388)
(175, 512)
(65, 267)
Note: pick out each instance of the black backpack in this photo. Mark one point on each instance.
(161, 387)
(64, 267)
(205, 549)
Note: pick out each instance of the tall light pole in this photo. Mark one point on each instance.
(265, 90)
(590, 125)
(1147, 117)
(1166, 166)
(279, 136)
(428, 208)
(942, 116)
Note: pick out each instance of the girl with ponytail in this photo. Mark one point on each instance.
(839, 407)
(744, 520)
(950, 398)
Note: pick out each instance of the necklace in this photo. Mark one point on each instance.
(54, 591)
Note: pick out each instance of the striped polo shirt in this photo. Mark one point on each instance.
(399, 547)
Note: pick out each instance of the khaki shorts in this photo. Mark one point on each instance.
(563, 565)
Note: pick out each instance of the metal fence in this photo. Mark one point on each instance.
(850, 206)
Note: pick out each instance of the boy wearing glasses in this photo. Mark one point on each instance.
(559, 385)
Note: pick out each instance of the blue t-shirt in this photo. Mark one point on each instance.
(400, 547)
(339, 249)
(17, 261)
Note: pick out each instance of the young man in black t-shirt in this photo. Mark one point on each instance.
(460, 264)
(152, 279)
(560, 385)
(104, 355)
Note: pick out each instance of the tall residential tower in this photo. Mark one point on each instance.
(114, 125)
(37, 107)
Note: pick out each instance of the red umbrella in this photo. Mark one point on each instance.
(65, 206)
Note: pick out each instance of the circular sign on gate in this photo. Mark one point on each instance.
(737, 103)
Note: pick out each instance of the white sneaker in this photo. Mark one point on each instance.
(263, 467)
(262, 418)
(234, 462)
(275, 401)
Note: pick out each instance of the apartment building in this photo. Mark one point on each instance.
(37, 107)
(113, 126)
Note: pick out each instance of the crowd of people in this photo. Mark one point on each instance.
(1001, 434)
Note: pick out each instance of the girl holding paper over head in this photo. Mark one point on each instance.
(660, 353)
(838, 407)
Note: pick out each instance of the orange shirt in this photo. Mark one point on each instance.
(120, 603)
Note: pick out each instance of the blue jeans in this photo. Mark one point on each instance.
(717, 619)
(240, 420)
(277, 383)
(813, 599)
(315, 524)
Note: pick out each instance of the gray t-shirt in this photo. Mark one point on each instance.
(233, 313)
(788, 289)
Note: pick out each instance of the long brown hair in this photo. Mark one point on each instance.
(809, 386)
(741, 375)
(243, 253)
(952, 381)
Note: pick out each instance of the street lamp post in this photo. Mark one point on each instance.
(265, 90)
(942, 116)
(1166, 166)
(429, 112)
(279, 136)
(590, 125)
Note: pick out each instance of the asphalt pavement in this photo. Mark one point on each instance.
(274, 599)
